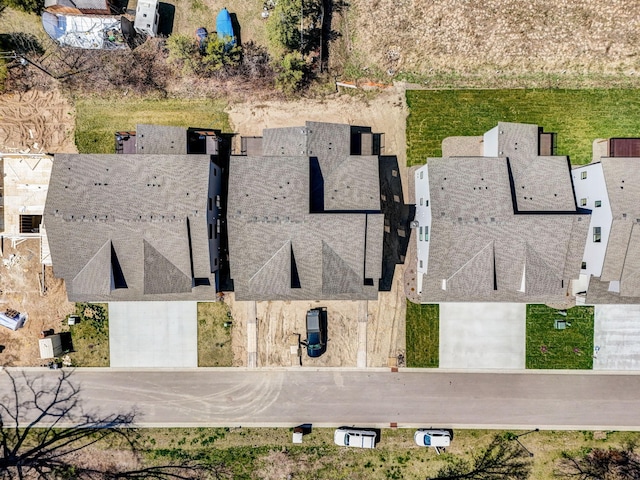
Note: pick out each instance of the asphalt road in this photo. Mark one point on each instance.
(371, 397)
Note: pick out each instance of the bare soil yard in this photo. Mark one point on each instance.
(36, 122)
(20, 289)
(277, 322)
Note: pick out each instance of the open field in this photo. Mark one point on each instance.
(97, 119)
(423, 340)
(504, 43)
(571, 348)
(268, 453)
(577, 116)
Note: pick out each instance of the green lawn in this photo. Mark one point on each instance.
(214, 339)
(571, 348)
(577, 116)
(97, 119)
(90, 337)
(423, 335)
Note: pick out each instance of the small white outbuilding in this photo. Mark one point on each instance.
(50, 346)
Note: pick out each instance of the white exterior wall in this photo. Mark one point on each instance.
(490, 143)
(423, 217)
(588, 191)
(147, 17)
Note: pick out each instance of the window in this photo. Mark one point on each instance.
(597, 236)
(583, 175)
(420, 263)
(426, 203)
(421, 175)
(584, 266)
(421, 201)
(583, 202)
(598, 203)
(420, 233)
(426, 234)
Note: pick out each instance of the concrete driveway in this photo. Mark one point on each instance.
(153, 334)
(482, 335)
(617, 337)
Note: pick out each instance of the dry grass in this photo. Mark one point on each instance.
(496, 43)
(268, 452)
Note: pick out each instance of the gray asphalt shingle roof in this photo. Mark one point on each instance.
(540, 183)
(622, 258)
(482, 249)
(275, 242)
(141, 214)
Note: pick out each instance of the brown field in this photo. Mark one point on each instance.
(493, 43)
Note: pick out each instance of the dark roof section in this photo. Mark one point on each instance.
(130, 227)
(155, 139)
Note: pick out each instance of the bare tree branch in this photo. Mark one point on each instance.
(45, 434)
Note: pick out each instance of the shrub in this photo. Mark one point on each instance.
(290, 73)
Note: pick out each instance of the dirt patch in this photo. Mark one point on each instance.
(385, 112)
(21, 289)
(280, 323)
(36, 122)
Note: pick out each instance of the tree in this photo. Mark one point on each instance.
(45, 434)
(283, 26)
(29, 6)
(599, 464)
(183, 51)
(501, 459)
(220, 53)
(291, 73)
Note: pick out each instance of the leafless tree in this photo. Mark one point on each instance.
(502, 459)
(45, 434)
(600, 464)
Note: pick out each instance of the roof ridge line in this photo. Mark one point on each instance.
(491, 242)
(109, 241)
(288, 242)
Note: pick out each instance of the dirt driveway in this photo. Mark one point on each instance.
(360, 333)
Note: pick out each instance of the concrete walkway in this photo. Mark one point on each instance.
(252, 335)
(363, 318)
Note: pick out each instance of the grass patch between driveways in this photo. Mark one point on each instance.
(214, 339)
(90, 337)
(423, 335)
(97, 119)
(548, 347)
(577, 116)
